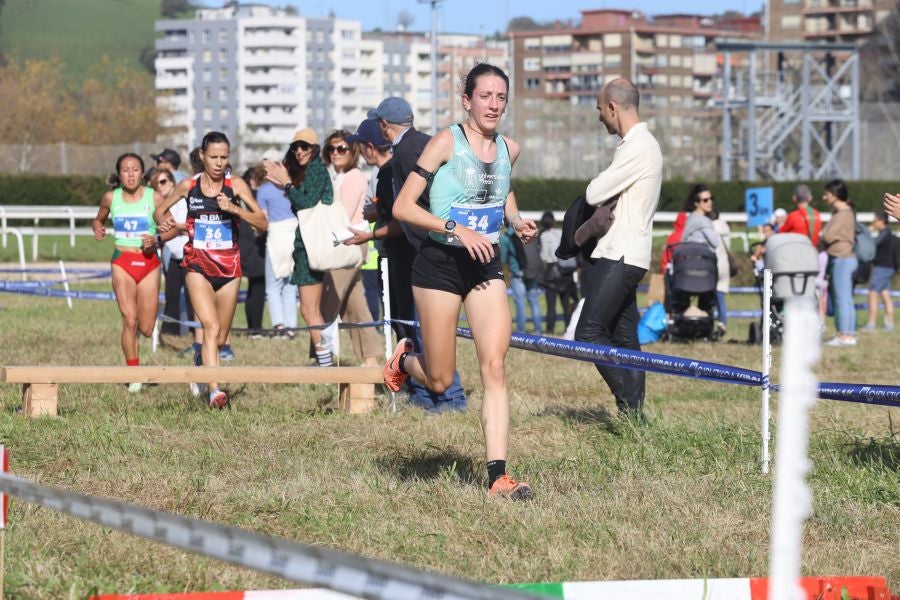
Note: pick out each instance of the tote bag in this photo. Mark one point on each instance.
(316, 226)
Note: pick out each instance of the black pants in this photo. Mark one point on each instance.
(402, 303)
(567, 291)
(175, 275)
(256, 302)
(610, 317)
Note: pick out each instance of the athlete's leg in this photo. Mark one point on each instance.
(310, 300)
(148, 302)
(438, 316)
(126, 297)
(488, 313)
(226, 303)
(203, 299)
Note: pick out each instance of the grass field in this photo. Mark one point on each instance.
(78, 32)
(680, 497)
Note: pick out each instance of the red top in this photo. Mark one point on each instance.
(798, 222)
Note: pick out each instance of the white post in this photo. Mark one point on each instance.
(791, 497)
(766, 367)
(386, 299)
(34, 241)
(154, 339)
(65, 280)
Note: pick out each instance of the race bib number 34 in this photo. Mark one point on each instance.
(131, 227)
(212, 236)
(482, 218)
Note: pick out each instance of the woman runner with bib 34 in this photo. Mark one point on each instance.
(135, 265)
(211, 255)
(468, 167)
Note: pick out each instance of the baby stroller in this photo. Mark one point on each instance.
(692, 272)
(794, 263)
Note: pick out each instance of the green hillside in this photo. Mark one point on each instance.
(79, 32)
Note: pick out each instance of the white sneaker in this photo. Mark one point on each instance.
(196, 389)
(839, 341)
(135, 388)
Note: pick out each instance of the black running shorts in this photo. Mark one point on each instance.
(451, 269)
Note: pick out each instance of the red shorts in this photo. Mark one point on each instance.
(136, 264)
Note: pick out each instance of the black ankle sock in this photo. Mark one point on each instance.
(401, 361)
(496, 469)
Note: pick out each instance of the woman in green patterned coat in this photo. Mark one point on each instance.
(305, 181)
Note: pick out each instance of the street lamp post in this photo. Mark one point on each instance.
(434, 73)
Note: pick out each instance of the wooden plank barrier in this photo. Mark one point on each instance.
(39, 384)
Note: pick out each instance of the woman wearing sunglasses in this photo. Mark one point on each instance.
(344, 293)
(305, 181)
(163, 181)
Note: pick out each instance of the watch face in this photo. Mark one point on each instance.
(450, 225)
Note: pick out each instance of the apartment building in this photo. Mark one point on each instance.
(825, 20)
(259, 73)
(671, 58)
(407, 70)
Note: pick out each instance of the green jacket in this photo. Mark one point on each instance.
(315, 188)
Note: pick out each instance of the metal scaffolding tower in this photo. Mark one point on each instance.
(790, 110)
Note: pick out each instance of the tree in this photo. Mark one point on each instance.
(173, 8)
(148, 58)
(405, 20)
(116, 104)
(524, 24)
(35, 105)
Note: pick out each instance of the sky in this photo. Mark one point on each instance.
(484, 18)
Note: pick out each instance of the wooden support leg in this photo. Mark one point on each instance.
(357, 398)
(39, 399)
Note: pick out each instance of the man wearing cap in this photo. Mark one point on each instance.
(395, 119)
(392, 243)
(169, 159)
(805, 219)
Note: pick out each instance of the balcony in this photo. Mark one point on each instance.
(270, 59)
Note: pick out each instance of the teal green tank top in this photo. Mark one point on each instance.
(470, 191)
(132, 220)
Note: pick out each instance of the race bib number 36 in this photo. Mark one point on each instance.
(131, 227)
(482, 218)
(212, 236)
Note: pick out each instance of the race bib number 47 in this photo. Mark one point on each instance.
(485, 219)
(131, 227)
(212, 236)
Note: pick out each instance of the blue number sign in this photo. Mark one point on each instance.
(759, 203)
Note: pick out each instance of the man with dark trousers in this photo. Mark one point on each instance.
(610, 313)
(395, 118)
(387, 234)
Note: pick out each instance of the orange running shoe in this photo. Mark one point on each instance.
(394, 378)
(507, 487)
(218, 399)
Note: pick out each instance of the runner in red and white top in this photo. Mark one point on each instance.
(216, 201)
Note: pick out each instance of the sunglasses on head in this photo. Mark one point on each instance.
(337, 149)
(304, 146)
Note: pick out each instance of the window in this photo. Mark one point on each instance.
(532, 83)
(662, 60)
(791, 22)
(207, 74)
(347, 34)
(531, 64)
(223, 55)
(223, 94)
(674, 41)
(207, 36)
(612, 60)
(612, 40)
(676, 60)
(207, 56)
(532, 43)
(223, 35)
(662, 40)
(207, 114)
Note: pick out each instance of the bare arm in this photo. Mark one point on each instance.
(102, 215)
(526, 229)
(164, 221)
(252, 214)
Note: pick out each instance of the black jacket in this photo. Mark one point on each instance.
(406, 154)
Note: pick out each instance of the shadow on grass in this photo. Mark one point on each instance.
(431, 463)
(876, 452)
(589, 416)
